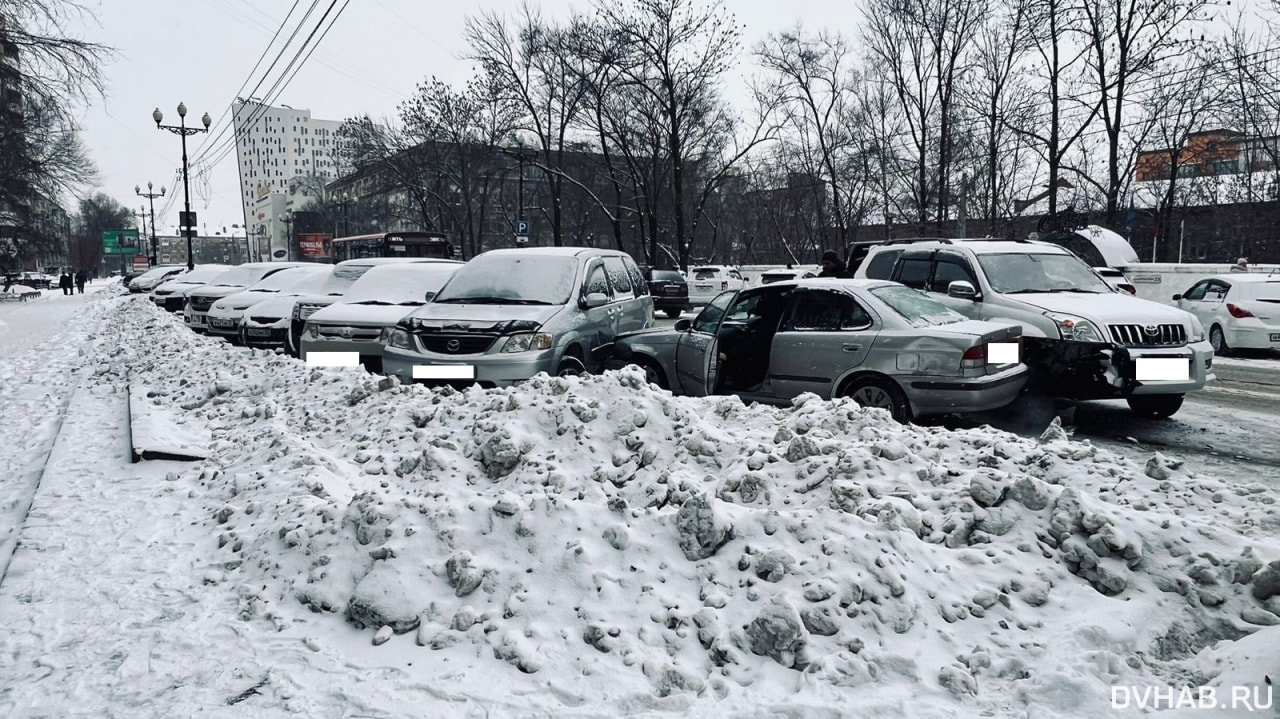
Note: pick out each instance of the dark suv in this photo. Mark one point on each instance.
(668, 288)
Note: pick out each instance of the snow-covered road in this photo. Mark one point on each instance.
(587, 548)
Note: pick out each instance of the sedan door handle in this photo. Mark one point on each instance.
(850, 348)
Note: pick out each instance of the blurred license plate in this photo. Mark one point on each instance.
(215, 322)
(704, 286)
(197, 319)
(258, 332)
(1275, 338)
(676, 291)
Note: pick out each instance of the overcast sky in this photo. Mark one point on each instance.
(202, 52)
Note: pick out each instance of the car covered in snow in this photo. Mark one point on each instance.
(157, 275)
(226, 315)
(375, 302)
(1083, 338)
(1241, 310)
(234, 280)
(511, 314)
(266, 325)
(768, 277)
(343, 276)
(883, 344)
(171, 294)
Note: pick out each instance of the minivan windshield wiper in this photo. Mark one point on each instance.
(371, 302)
(490, 301)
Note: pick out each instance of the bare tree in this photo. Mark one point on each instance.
(922, 46)
(1178, 102)
(1127, 40)
(674, 55)
(1249, 64)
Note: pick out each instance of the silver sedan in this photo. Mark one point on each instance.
(881, 343)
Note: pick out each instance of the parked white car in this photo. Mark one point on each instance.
(708, 281)
(375, 302)
(172, 294)
(157, 275)
(225, 315)
(234, 280)
(1241, 310)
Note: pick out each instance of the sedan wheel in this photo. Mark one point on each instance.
(652, 374)
(1218, 340)
(881, 394)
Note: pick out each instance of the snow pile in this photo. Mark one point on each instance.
(625, 548)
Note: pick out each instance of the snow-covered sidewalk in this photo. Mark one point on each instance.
(594, 547)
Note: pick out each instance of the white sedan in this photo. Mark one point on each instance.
(1240, 310)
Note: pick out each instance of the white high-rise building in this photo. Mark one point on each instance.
(280, 151)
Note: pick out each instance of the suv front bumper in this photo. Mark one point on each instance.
(1093, 370)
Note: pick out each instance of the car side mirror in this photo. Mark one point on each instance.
(592, 300)
(429, 296)
(683, 325)
(1177, 297)
(962, 290)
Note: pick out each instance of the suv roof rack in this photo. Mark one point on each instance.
(951, 240)
(909, 240)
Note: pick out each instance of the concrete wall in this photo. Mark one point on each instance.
(1160, 281)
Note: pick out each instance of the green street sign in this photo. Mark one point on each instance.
(120, 242)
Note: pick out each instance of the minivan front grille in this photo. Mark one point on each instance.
(1148, 335)
(456, 344)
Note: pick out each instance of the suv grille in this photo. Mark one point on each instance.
(1148, 335)
(456, 344)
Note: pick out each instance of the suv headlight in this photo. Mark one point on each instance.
(527, 342)
(1075, 329)
(397, 338)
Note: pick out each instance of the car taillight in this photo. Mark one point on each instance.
(1237, 311)
(974, 357)
(1127, 288)
(724, 285)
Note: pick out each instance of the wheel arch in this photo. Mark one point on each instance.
(843, 384)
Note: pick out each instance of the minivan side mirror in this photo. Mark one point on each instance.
(683, 325)
(592, 300)
(962, 290)
(1177, 297)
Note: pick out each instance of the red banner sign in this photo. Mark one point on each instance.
(314, 247)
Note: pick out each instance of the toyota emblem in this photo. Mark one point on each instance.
(453, 345)
(1151, 330)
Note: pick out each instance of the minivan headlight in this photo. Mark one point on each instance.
(528, 342)
(1075, 329)
(397, 338)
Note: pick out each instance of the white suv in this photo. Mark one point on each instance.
(1082, 338)
(707, 281)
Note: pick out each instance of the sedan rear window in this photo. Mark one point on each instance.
(916, 307)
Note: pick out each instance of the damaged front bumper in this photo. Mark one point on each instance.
(1099, 370)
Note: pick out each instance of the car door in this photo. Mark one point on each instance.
(824, 334)
(951, 267)
(1193, 301)
(696, 351)
(599, 321)
(631, 313)
(1214, 305)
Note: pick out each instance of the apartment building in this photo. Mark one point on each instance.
(283, 155)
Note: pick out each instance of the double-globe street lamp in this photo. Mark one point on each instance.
(182, 130)
(151, 197)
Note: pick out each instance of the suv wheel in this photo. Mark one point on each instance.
(1218, 340)
(1155, 406)
(880, 393)
(570, 366)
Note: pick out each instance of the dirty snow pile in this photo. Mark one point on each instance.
(596, 546)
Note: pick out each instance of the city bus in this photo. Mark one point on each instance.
(392, 244)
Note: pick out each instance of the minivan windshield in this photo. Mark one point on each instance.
(1022, 272)
(513, 278)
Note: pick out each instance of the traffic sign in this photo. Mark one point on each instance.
(120, 242)
(522, 228)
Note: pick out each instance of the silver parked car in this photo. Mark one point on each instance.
(375, 302)
(510, 314)
(881, 343)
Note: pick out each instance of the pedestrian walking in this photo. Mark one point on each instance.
(81, 278)
(64, 282)
(832, 265)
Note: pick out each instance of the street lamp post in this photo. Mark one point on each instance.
(151, 197)
(182, 130)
